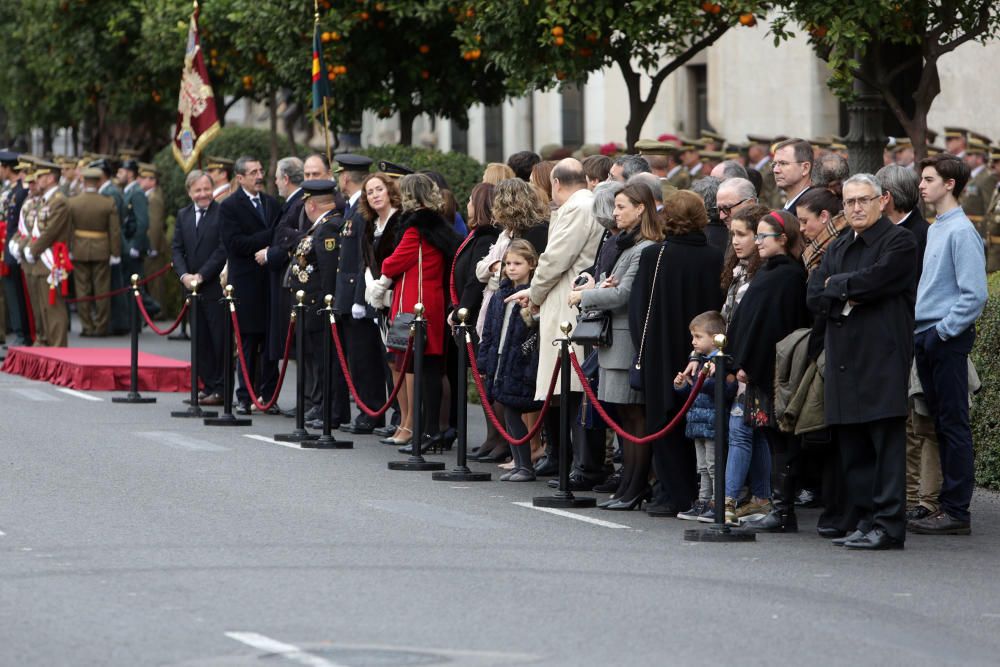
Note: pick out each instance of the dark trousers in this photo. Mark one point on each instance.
(211, 345)
(17, 304)
(873, 456)
(944, 374)
(675, 467)
(315, 370)
(263, 373)
(364, 351)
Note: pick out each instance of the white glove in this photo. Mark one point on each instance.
(114, 261)
(28, 257)
(357, 311)
(375, 293)
(152, 253)
(15, 250)
(133, 253)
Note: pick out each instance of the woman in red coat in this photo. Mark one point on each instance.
(418, 270)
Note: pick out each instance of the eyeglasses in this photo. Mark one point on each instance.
(853, 202)
(728, 210)
(762, 236)
(785, 163)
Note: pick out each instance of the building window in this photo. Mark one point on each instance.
(572, 116)
(698, 89)
(459, 139)
(493, 130)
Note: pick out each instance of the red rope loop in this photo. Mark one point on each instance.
(350, 382)
(149, 321)
(121, 290)
(618, 429)
(484, 399)
(263, 407)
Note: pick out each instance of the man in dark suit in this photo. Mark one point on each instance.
(900, 185)
(866, 288)
(355, 318)
(247, 218)
(199, 256)
(288, 178)
(793, 162)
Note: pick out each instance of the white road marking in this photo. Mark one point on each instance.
(991, 615)
(287, 651)
(271, 441)
(180, 441)
(571, 515)
(34, 394)
(79, 394)
(2, 533)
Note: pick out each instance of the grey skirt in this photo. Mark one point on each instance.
(613, 387)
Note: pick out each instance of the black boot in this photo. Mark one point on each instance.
(782, 518)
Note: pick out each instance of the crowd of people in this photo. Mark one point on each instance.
(848, 317)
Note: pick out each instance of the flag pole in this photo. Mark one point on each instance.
(326, 119)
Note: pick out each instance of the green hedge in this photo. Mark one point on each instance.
(986, 404)
(461, 171)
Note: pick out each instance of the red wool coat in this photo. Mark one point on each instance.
(401, 266)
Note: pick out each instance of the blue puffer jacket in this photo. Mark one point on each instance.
(701, 416)
(510, 373)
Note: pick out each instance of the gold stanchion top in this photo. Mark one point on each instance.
(328, 300)
(418, 309)
(300, 296)
(229, 291)
(566, 327)
(720, 341)
(135, 280)
(194, 285)
(463, 315)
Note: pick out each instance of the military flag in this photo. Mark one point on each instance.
(197, 118)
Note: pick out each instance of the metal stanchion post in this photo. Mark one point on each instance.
(300, 434)
(133, 383)
(327, 441)
(461, 472)
(563, 497)
(227, 418)
(719, 531)
(416, 460)
(194, 410)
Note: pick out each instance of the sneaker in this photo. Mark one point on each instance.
(753, 507)
(693, 513)
(708, 515)
(731, 518)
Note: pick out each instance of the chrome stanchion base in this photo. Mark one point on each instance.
(719, 533)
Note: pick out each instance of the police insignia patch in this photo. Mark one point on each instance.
(330, 244)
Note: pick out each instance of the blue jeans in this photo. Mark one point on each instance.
(748, 452)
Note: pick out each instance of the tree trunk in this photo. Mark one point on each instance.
(406, 118)
(272, 109)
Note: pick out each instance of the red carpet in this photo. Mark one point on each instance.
(96, 369)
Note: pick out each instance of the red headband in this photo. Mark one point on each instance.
(774, 214)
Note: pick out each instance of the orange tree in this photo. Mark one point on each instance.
(539, 43)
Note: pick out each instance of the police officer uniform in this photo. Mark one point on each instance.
(313, 269)
(119, 304)
(215, 163)
(13, 278)
(94, 239)
(158, 255)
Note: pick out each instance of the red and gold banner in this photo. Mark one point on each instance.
(197, 118)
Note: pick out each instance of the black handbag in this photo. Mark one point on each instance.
(593, 327)
(397, 338)
(635, 369)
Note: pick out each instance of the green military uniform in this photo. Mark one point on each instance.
(135, 229)
(651, 147)
(159, 244)
(47, 220)
(679, 177)
(975, 199)
(95, 239)
(992, 227)
(119, 304)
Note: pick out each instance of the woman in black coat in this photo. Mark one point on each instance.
(677, 279)
(773, 307)
(466, 290)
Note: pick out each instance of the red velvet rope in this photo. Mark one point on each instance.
(350, 382)
(618, 429)
(149, 321)
(489, 408)
(121, 290)
(263, 407)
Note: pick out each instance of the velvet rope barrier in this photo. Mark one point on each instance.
(618, 429)
(536, 429)
(121, 290)
(350, 382)
(263, 407)
(149, 320)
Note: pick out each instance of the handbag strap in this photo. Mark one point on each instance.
(649, 308)
(420, 277)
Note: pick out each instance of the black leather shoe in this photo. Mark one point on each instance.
(774, 522)
(875, 540)
(546, 467)
(658, 510)
(497, 455)
(242, 409)
(359, 427)
(830, 533)
(273, 410)
(917, 513)
(852, 537)
(384, 431)
(940, 523)
(288, 413)
(313, 413)
(576, 483)
(610, 485)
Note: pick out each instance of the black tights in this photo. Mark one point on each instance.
(636, 459)
(431, 394)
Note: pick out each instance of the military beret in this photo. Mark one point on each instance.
(214, 163)
(92, 174)
(394, 170)
(318, 188)
(352, 162)
(650, 147)
(148, 169)
(8, 158)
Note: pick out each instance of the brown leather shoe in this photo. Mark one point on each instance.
(214, 399)
(940, 523)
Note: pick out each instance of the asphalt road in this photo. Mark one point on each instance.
(131, 538)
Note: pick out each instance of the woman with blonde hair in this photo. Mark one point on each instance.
(496, 172)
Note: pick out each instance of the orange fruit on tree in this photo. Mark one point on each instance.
(424, 74)
(560, 40)
(424, 48)
(557, 31)
(748, 19)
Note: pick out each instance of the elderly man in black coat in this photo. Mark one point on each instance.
(866, 288)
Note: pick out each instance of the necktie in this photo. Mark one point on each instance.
(257, 207)
(197, 217)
